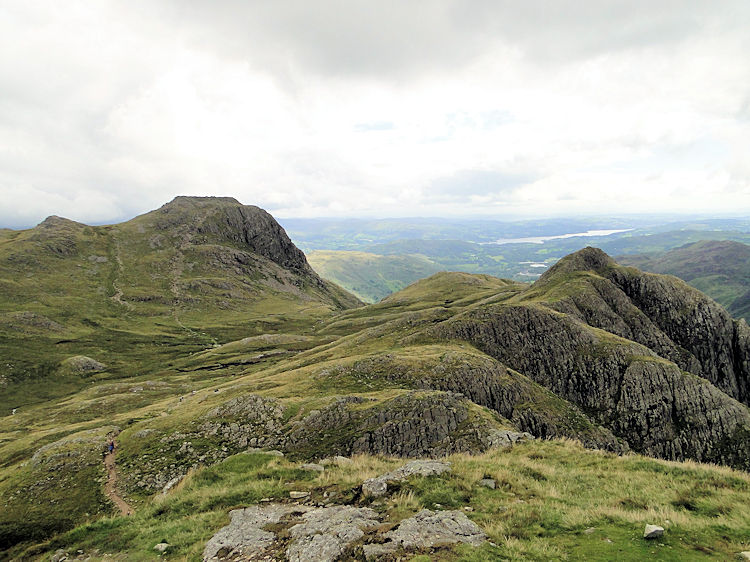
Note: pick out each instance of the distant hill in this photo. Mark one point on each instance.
(371, 277)
(518, 250)
(719, 268)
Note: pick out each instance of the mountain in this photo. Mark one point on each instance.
(205, 340)
(719, 268)
(371, 277)
(166, 283)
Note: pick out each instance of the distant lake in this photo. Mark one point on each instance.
(542, 239)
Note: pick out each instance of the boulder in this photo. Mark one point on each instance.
(82, 365)
(653, 532)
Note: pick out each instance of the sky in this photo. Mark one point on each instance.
(489, 108)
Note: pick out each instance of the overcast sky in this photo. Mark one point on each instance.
(362, 108)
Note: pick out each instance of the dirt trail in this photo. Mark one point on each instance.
(117, 297)
(111, 487)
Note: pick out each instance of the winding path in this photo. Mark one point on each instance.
(111, 487)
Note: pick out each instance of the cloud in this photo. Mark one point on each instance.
(465, 183)
(359, 108)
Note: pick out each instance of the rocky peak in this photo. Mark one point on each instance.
(587, 259)
(194, 201)
(224, 220)
(55, 222)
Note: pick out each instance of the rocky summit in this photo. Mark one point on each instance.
(184, 385)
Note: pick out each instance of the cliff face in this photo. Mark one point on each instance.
(226, 220)
(663, 313)
(486, 382)
(643, 394)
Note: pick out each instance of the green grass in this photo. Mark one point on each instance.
(371, 277)
(547, 495)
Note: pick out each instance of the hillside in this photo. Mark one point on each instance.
(371, 277)
(241, 349)
(719, 268)
(144, 292)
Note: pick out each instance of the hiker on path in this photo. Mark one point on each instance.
(111, 446)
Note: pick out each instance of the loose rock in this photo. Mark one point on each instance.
(161, 547)
(59, 556)
(376, 487)
(488, 483)
(653, 532)
(313, 466)
(298, 495)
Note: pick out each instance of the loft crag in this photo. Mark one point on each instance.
(211, 335)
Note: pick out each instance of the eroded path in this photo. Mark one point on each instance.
(119, 268)
(111, 487)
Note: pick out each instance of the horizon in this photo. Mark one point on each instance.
(509, 219)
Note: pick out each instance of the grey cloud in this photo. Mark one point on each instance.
(336, 37)
(395, 39)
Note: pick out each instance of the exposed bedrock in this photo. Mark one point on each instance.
(648, 401)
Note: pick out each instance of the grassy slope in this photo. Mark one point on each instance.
(565, 489)
(548, 494)
(135, 297)
(370, 276)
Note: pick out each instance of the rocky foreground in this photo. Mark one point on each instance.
(535, 500)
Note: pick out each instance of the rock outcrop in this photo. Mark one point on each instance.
(485, 381)
(332, 533)
(660, 312)
(225, 220)
(244, 536)
(413, 424)
(429, 529)
(234, 426)
(378, 486)
(325, 534)
(647, 400)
